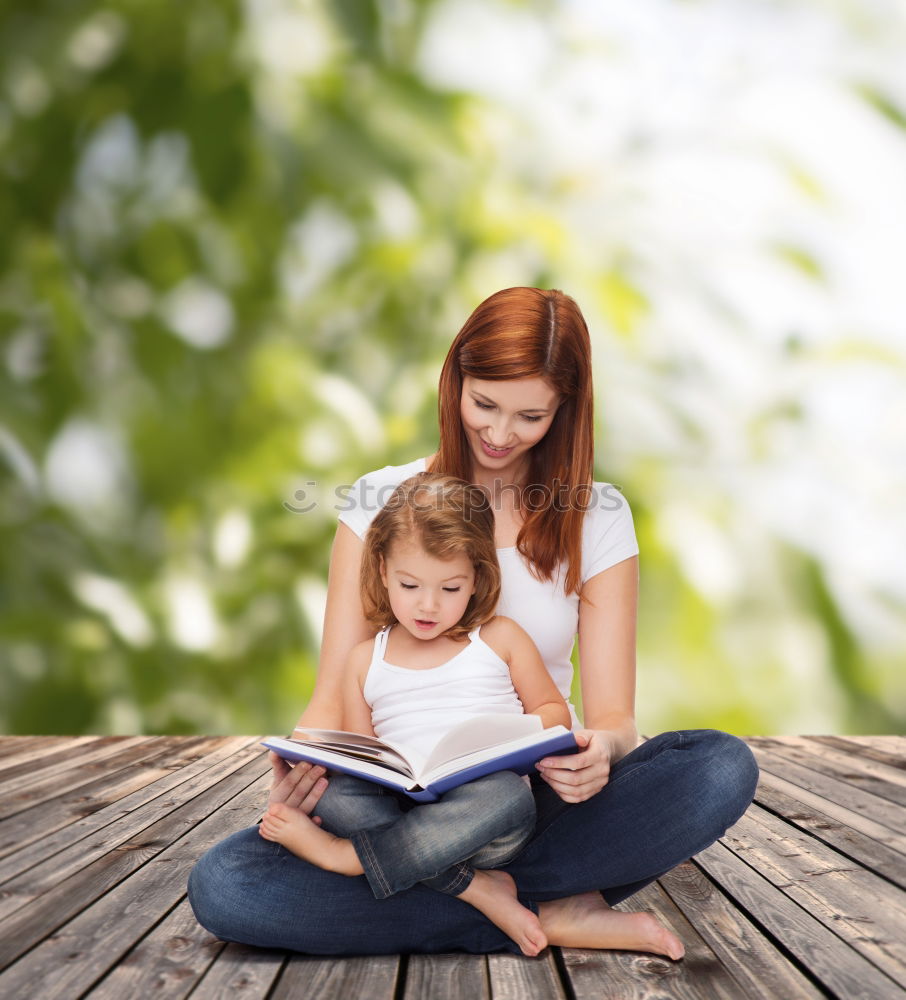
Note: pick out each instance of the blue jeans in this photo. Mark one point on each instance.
(482, 824)
(667, 800)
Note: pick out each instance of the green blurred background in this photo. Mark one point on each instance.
(237, 239)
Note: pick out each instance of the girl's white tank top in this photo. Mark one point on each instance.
(414, 708)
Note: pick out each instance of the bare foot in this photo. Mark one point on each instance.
(586, 921)
(494, 894)
(299, 833)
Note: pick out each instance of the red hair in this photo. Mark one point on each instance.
(531, 333)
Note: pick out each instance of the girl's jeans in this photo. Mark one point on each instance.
(484, 823)
(667, 800)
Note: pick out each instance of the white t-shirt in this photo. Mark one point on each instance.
(550, 616)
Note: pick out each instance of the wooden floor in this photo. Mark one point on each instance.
(804, 897)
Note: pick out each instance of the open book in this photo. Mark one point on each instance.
(470, 750)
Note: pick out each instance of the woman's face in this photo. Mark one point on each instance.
(503, 420)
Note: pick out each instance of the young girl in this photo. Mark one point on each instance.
(431, 581)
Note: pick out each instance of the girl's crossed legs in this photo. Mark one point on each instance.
(450, 845)
(667, 800)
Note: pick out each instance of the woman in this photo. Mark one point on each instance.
(516, 417)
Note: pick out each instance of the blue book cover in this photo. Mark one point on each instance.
(475, 748)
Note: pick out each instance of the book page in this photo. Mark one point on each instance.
(479, 734)
(335, 736)
(356, 745)
(387, 773)
(519, 752)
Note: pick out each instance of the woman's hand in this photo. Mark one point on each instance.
(300, 787)
(579, 776)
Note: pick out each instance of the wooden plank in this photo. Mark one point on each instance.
(869, 813)
(892, 742)
(447, 976)
(373, 977)
(42, 831)
(839, 970)
(79, 954)
(88, 946)
(66, 755)
(116, 837)
(830, 828)
(880, 780)
(514, 977)
(38, 761)
(862, 909)
(20, 750)
(840, 813)
(133, 909)
(168, 962)
(140, 768)
(39, 782)
(240, 972)
(640, 976)
(753, 961)
(886, 752)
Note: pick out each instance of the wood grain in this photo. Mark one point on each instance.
(240, 973)
(804, 897)
(877, 817)
(879, 779)
(447, 976)
(840, 971)
(167, 962)
(374, 977)
(122, 794)
(698, 976)
(514, 977)
(756, 963)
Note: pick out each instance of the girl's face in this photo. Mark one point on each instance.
(428, 595)
(503, 420)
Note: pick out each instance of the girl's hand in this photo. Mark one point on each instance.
(300, 787)
(579, 776)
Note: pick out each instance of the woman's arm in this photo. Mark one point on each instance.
(608, 611)
(344, 628)
(356, 711)
(533, 683)
(607, 638)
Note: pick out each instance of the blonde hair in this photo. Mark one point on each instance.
(448, 517)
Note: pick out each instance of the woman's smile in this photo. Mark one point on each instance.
(493, 452)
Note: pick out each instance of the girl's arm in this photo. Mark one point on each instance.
(356, 711)
(344, 627)
(533, 683)
(607, 633)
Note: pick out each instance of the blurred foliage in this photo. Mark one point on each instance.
(237, 242)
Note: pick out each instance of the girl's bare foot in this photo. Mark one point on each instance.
(494, 894)
(299, 833)
(586, 921)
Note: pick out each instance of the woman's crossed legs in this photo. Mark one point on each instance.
(668, 799)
